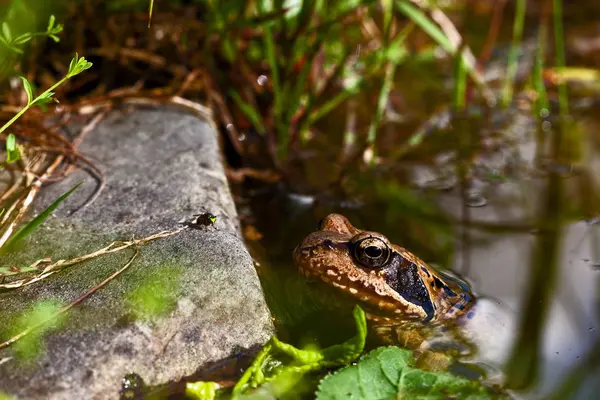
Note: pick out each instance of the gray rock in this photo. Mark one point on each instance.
(187, 300)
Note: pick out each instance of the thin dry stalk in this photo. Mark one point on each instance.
(66, 308)
(62, 264)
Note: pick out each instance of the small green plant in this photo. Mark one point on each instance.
(77, 66)
(15, 44)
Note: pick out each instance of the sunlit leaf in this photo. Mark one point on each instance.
(201, 390)
(389, 373)
(77, 66)
(45, 98)
(12, 150)
(27, 87)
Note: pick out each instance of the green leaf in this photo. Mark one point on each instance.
(389, 373)
(50, 23)
(201, 390)
(24, 38)
(430, 27)
(302, 361)
(28, 90)
(77, 66)
(12, 151)
(6, 32)
(32, 225)
(249, 111)
(44, 98)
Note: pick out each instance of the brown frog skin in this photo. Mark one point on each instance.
(391, 284)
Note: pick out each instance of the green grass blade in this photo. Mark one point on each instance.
(541, 102)
(430, 27)
(338, 99)
(249, 111)
(511, 72)
(382, 101)
(460, 83)
(437, 34)
(273, 65)
(559, 50)
(32, 225)
(150, 9)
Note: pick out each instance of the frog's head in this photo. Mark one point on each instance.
(384, 278)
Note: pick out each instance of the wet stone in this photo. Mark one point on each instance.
(187, 300)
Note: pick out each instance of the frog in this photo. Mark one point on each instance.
(407, 302)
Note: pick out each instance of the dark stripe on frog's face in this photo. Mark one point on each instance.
(402, 276)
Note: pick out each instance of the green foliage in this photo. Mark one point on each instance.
(310, 53)
(77, 66)
(15, 44)
(511, 72)
(157, 295)
(21, 22)
(13, 153)
(39, 319)
(389, 373)
(201, 390)
(284, 363)
(32, 225)
(559, 51)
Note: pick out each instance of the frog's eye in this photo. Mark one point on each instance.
(371, 252)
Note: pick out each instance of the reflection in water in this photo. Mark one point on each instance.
(510, 258)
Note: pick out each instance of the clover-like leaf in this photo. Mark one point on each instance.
(53, 29)
(389, 373)
(78, 65)
(28, 90)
